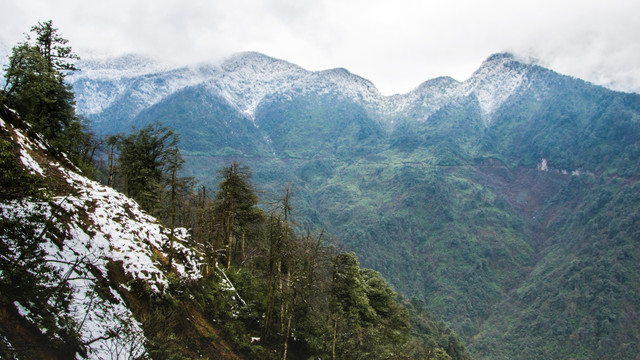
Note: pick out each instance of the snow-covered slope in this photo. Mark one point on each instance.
(426, 98)
(244, 80)
(500, 76)
(494, 82)
(134, 80)
(102, 230)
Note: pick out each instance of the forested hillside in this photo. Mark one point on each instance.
(149, 265)
(504, 202)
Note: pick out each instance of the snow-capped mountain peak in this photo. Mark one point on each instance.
(351, 85)
(128, 65)
(497, 78)
(245, 79)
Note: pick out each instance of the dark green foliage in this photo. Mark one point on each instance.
(348, 290)
(367, 320)
(236, 212)
(439, 340)
(54, 48)
(572, 124)
(209, 124)
(143, 163)
(318, 126)
(578, 300)
(80, 146)
(35, 85)
(41, 98)
(302, 298)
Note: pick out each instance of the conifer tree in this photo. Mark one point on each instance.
(53, 47)
(174, 182)
(145, 163)
(35, 88)
(236, 208)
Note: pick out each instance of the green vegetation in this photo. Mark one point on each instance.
(318, 126)
(574, 126)
(291, 291)
(301, 297)
(144, 164)
(455, 213)
(578, 300)
(211, 126)
(35, 87)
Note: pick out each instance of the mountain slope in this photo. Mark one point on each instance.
(107, 251)
(484, 198)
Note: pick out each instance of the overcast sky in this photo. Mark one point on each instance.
(396, 44)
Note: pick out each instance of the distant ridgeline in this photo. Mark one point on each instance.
(508, 204)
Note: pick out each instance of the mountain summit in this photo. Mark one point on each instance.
(119, 89)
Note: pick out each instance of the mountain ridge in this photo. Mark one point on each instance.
(245, 79)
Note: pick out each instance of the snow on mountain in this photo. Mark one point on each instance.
(341, 81)
(246, 79)
(426, 98)
(138, 80)
(103, 229)
(492, 84)
(125, 66)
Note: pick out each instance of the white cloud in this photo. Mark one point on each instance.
(396, 44)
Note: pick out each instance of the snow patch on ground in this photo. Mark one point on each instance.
(101, 227)
(29, 163)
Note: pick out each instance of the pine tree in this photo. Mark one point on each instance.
(35, 87)
(236, 208)
(174, 182)
(144, 163)
(53, 47)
